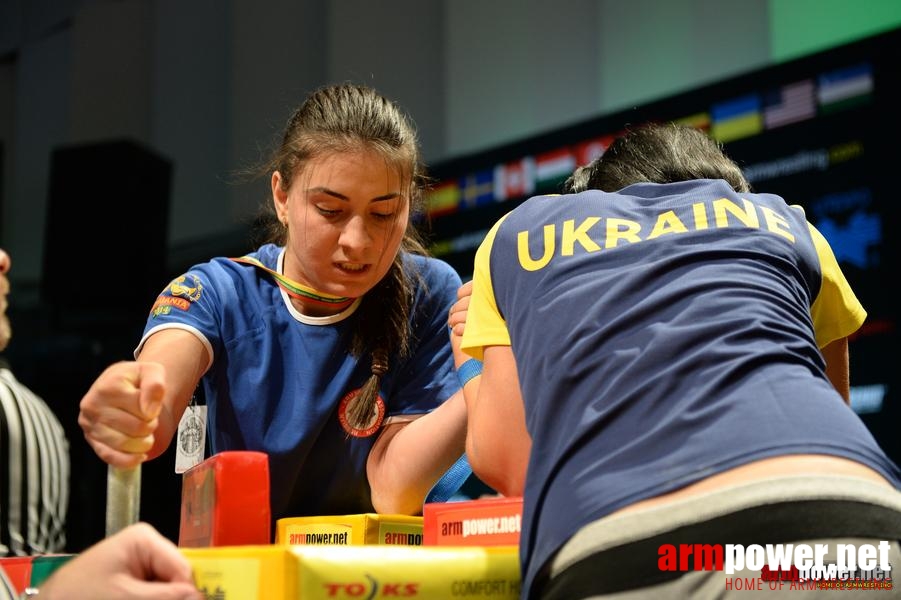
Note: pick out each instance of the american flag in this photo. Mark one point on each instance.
(789, 104)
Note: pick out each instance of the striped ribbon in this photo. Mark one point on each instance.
(297, 290)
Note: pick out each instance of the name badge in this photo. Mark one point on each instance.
(191, 438)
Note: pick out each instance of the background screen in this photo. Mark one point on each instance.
(821, 131)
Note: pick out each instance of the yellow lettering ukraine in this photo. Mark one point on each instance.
(725, 213)
(572, 234)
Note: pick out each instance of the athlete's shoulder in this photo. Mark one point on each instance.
(437, 281)
(431, 268)
(241, 267)
(225, 275)
(530, 214)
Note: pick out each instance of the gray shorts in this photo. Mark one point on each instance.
(617, 556)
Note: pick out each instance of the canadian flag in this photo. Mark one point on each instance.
(514, 179)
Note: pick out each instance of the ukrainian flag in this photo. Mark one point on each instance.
(736, 119)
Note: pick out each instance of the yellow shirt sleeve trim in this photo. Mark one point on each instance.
(836, 311)
(484, 324)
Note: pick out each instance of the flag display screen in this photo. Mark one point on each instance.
(821, 131)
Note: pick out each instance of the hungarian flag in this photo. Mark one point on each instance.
(552, 168)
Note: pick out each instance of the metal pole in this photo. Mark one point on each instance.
(123, 497)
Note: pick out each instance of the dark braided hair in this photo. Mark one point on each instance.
(345, 118)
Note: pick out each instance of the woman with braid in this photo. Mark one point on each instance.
(327, 348)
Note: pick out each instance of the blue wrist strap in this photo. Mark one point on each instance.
(471, 368)
(451, 482)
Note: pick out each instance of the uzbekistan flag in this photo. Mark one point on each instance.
(844, 88)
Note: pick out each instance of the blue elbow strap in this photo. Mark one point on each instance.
(451, 482)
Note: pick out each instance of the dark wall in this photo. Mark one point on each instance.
(104, 262)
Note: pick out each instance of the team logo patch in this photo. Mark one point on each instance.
(180, 293)
(164, 303)
(180, 288)
(375, 419)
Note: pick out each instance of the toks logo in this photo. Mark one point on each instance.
(370, 590)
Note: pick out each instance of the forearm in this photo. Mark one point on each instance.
(497, 443)
(837, 369)
(496, 457)
(408, 459)
(184, 359)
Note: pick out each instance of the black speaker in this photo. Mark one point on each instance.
(106, 232)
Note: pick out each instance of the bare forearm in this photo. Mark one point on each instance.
(410, 458)
(498, 444)
(837, 367)
(184, 359)
(499, 459)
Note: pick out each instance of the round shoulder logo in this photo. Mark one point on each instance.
(182, 288)
(375, 419)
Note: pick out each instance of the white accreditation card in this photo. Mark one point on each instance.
(191, 438)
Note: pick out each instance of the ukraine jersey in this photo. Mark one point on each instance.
(662, 334)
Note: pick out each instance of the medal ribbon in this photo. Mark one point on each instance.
(297, 290)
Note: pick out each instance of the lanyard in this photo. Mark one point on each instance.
(297, 290)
